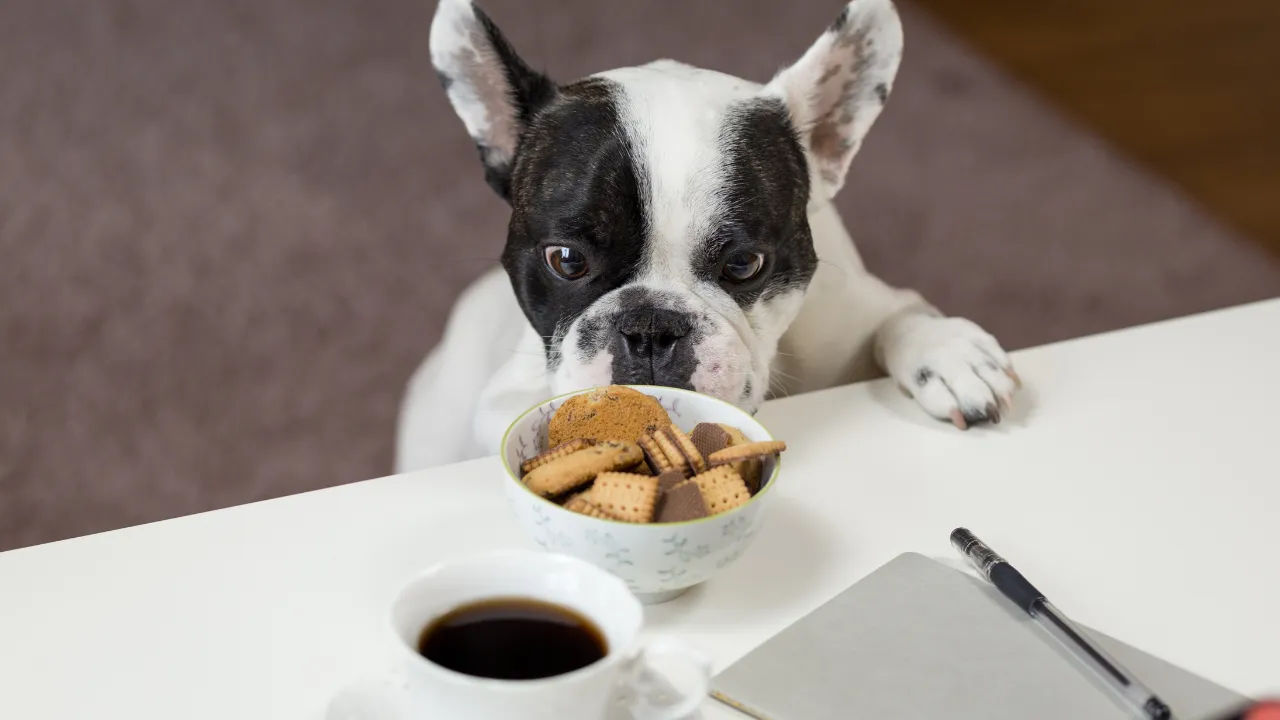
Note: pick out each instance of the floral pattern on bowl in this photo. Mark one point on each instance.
(657, 561)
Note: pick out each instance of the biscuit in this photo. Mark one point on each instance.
(583, 506)
(584, 494)
(670, 479)
(558, 451)
(626, 496)
(671, 449)
(750, 470)
(734, 453)
(682, 503)
(709, 437)
(697, 463)
(572, 471)
(736, 436)
(610, 413)
(654, 456)
(722, 489)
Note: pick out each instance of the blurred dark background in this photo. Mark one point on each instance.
(230, 229)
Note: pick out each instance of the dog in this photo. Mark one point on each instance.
(674, 226)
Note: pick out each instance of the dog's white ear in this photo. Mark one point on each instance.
(837, 89)
(491, 88)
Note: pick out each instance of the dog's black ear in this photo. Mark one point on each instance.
(837, 89)
(494, 92)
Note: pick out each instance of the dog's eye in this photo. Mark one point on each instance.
(742, 266)
(566, 262)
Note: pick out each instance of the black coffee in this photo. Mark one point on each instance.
(512, 639)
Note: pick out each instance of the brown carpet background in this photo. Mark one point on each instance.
(230, 229)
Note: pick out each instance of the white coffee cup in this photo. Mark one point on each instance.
(624, 684)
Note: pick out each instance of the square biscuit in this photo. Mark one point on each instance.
(627, 496)
(583, 506)
(671, 448)
(682, 503)
(690, 452)
(744, 451)
(722, 489)
(654, 457)
(574, 470)
(670, 479)
(559, 451)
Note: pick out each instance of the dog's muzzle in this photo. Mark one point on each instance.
(653, 346)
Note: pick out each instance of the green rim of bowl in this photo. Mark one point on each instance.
(777, 463)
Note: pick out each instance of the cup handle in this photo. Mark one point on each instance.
(650, 696)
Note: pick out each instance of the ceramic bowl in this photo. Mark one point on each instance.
(657, 561)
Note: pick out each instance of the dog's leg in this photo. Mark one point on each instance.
(956, 370)
(447, 407)
(853, 326)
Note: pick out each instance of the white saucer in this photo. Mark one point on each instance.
(387, 699)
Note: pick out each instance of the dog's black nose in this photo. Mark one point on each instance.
(653, 347)
(652, 332)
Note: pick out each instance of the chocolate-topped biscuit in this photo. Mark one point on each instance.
(671, 449)
(654, 457)
(697, 463)
(669, 479)
(709, 438)
(682, 503)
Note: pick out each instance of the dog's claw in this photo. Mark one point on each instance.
(953, 369)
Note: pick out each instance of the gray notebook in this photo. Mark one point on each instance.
(917, 639)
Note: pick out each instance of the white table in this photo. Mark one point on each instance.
(1138, 486)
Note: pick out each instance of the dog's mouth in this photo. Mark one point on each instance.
(727, 379)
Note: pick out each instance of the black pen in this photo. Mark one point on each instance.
(1014, 586)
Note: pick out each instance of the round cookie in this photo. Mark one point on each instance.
(610, 413)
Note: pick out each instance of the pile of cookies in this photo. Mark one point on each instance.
(616, 455)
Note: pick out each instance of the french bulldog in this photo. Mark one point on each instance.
(674, 226)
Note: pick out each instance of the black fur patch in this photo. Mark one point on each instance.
(576, 182)
(446, 82)
(766, 195)
(841, 20)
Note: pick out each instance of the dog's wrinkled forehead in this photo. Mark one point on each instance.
(664, 164)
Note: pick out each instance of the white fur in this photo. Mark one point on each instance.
(848, 325)
(460, 51)
(832, 89)
(675, 113)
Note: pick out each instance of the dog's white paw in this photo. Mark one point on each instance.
(953, 368)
